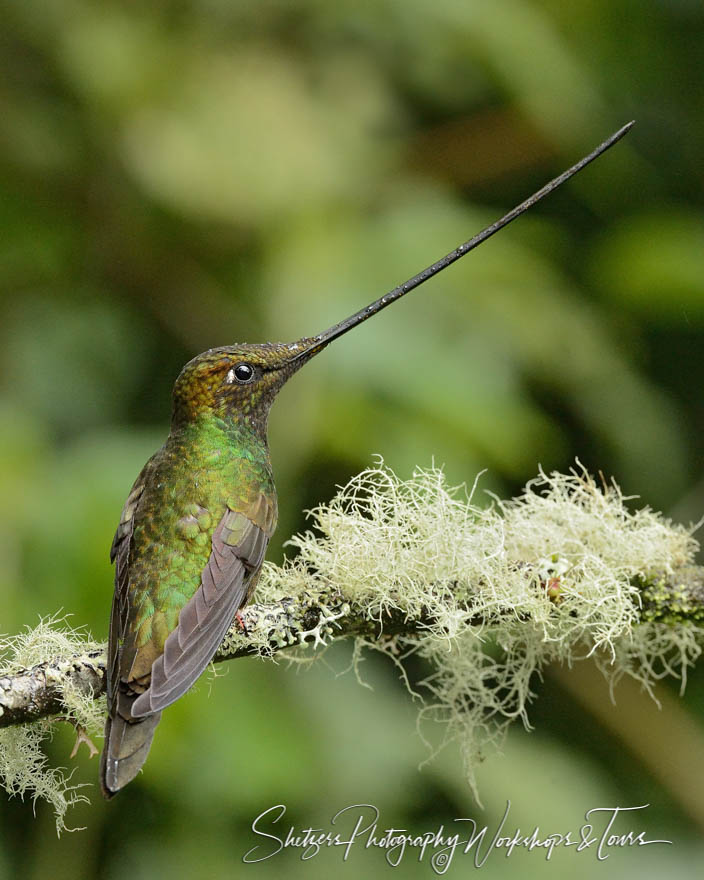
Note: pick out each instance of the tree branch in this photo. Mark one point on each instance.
(314, 617)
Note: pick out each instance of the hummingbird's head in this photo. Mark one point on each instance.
(237, 381)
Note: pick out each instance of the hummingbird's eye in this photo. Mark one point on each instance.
(242, 373)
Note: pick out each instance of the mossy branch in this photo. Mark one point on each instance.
(488, 596)
(315, 617)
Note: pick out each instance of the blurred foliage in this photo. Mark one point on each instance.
(187, 174)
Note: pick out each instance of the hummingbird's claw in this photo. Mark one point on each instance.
(81, 737)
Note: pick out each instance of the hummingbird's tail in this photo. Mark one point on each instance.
(126, 748)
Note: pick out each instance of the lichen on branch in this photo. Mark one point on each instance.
(488, 595)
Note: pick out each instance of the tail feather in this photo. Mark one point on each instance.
(126, 748)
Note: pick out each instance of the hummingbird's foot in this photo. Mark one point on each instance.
(81, 737)
(241, 623)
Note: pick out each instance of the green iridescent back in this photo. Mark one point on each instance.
(204, 468)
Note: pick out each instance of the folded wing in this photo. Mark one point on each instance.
(238, 548)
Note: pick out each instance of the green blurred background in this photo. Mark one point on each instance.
(182, 175)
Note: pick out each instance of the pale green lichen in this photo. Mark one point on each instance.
(24, 765)
(549, 576)
(557, 574)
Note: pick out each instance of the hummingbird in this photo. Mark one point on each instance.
(194, 529)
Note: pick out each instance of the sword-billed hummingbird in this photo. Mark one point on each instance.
(195, 526)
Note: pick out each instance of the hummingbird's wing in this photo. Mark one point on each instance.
(126, 745)
(119, 554)
(238, 548)
(238, 545)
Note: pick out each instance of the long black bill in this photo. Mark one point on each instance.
(319, 342)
